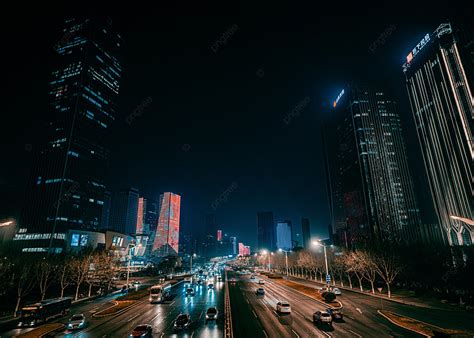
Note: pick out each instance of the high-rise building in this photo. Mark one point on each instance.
(106, 211)
(443, 107)
(167, 233)
(265, 231)
(219, 235)
(284, 239)
(305, 229)
(244, 250)
(211, 225)
(233, 241)
(371, 191)
(125, 211)
(68, 177)
(140, 215)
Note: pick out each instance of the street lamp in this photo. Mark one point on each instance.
(320, 243)
(191, 263)
(286, 259)
(129, 257)
(4, 224)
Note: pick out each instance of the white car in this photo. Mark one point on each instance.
(261, 281)
(322, 317)
(283, 307)
(336, 291)
(77, 322)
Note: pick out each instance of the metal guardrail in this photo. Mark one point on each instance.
(228, 332)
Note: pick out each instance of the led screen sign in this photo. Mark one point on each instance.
(334, 104)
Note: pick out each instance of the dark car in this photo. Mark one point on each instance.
(335, 313)
(142, 330)
(182, 322)
(211, 314)
(260, 292)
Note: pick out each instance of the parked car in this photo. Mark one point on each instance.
(182, 322)
(322, 317)
(211, 314)
(283, 307)
(142, 330)
(260, 292)
(77, 321)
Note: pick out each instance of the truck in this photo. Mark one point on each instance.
(43, 311)
(160, 292)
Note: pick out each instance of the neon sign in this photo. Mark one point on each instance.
(338, 98)
(418, 47)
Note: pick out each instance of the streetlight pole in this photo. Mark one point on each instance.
(318, 242)
(286, 259)
(129, 257)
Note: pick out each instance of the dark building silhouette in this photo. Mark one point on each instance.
(265, 231)
(306, 231)
(67, 185)
(371, 191)
(125, 211)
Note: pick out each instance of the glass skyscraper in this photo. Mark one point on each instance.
(68, 178)
(370, 188)
(443, 108)
(284, 237)
(265, 231)
(166, 240)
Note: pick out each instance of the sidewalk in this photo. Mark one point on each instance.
(408, 300)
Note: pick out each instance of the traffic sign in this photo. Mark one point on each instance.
(328, 278)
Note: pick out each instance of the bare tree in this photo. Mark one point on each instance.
(44, 275)
(369, 268)
(339, 268)
(64, 275)
(355, 265)
(25, 281)
(387, 267)
(80, 269)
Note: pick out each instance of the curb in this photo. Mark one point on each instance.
(404, 327)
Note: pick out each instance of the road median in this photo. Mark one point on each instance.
(422, 328)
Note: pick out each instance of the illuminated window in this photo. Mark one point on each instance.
(75, 240)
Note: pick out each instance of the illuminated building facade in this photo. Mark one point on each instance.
(284, 238)
(371, 191)
(67, 185)
(140, 215)
(219, 235)
(442, 105)
(244, 250)
(167, 232)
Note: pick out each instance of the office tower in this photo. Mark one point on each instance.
(371, 191)
(244, 250)
(106, 210)
(442, 105)
(233, 241)
(219, 235)
(68, 176)
(211, 225)
(167, 232)
(284, 239)
(140, 215)
(125, 211)
(150, 212)
(305, 229)
(265, 231)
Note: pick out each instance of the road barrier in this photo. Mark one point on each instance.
(228, 333)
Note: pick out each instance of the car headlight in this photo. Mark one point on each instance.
(149, 299)
(69, 325)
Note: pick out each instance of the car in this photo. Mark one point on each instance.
(211, 314)
(260, 292)
(336, 313)
(336, 291)
(210, 286)
(78, 321)
(322, 317)
(261, 282)
(142, 330)
(137, 282)
(182, 322)
(252, 277)
(232, 281)
(190, 292)
(283, 307)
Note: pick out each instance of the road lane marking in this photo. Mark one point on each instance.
(297, 335)
(254, 314)
(359, 310)
(172, 302)
(265, 333)
(200, 316)
(358, 335)
(134, 317)
(192, 334)
(276, 314)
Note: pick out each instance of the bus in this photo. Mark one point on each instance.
(160, 292)
(33, 314)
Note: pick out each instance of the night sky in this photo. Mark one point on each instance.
(218, 117)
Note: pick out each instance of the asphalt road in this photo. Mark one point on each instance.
(160, 316)
(299, 323)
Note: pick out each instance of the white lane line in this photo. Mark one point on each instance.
(297, 335)
(265, 333)
(327, 334)
(130, 319)
(200, 316)
(358, 335)
(276, 314)
(172, 302)
(359, 310)
(192, 334)
(254, 314)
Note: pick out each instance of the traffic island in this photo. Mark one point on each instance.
(425, 329)
(123, 303)
(310, 292)
(43, 330)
